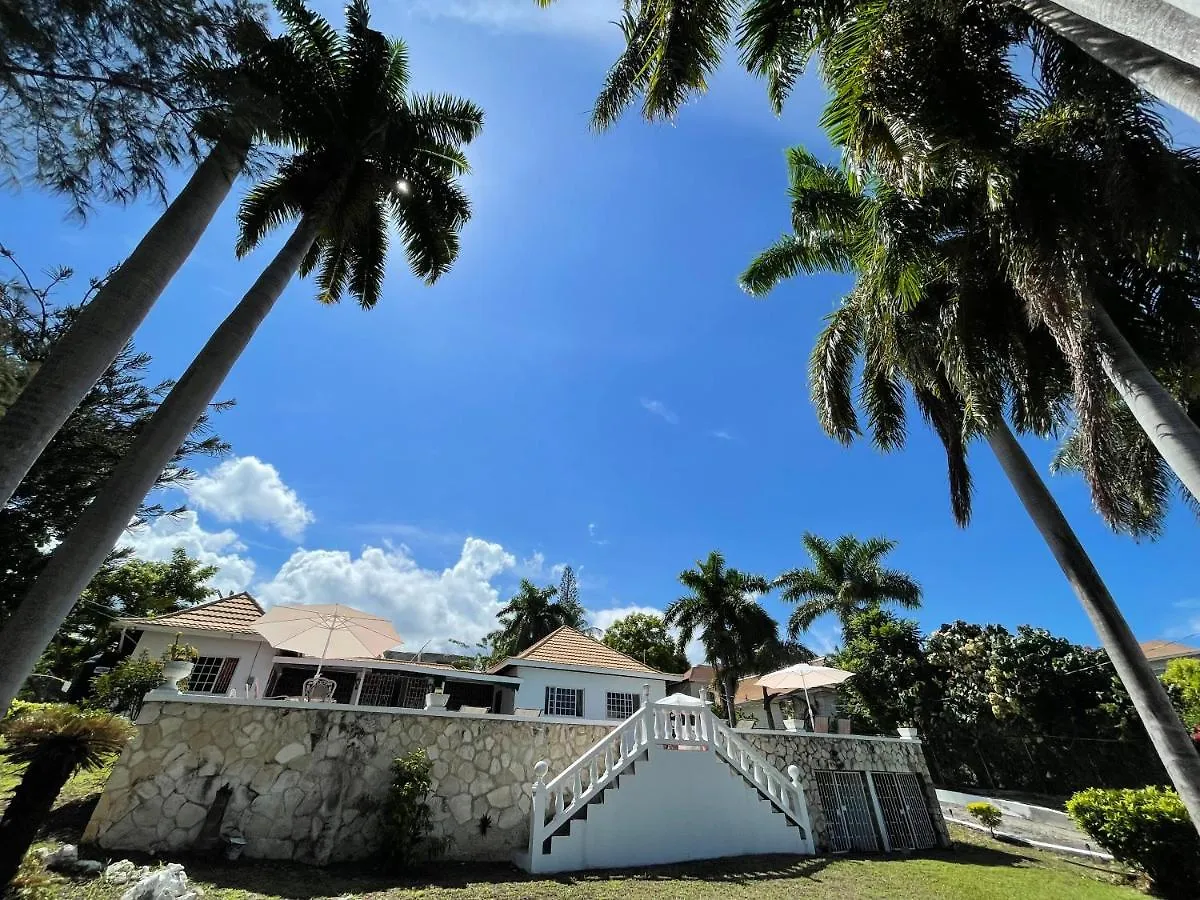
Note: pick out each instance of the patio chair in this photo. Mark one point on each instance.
(527, 712)
(821, 724)
(843, 726)
(320, 690)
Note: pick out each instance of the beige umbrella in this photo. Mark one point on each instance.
(327, 631)
(801, 677)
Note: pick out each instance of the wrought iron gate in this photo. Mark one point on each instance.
(849, 820)
(905, 811)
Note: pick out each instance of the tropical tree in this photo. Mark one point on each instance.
(53, 742)
(1182, 680)
(927, 320)
(370, 154)
(568, 598)
(645, 637)
(721, 607)
(251, 89)
(847, 577)
(530, 615)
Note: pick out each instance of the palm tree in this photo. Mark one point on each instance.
(732, 624)
(532, 614)
(54, 742)
(846, 577)
(928, 320)
(106, 324)
(372, 154)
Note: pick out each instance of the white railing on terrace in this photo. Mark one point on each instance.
(659, 725)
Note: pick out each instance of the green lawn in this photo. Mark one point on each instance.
(976, 869)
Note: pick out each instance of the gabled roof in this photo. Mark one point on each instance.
(570, 648)
(703, 674)
(233, 614)
(1167, 649)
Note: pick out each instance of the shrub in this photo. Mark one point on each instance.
(123, 688)
(178, 652)
(986, 814)
(1147, 829)
(406, 815)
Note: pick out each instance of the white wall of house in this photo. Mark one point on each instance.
(595, 686)
(255, 657)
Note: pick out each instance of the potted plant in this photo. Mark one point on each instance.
(178, 661)
(908, 732)
(790, 721)
(438, 697)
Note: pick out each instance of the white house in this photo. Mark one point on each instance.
(570, 675)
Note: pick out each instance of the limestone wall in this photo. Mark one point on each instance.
(305, 782)
(812, 752)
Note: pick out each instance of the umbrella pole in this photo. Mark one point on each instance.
(324, 653)
(807, 702)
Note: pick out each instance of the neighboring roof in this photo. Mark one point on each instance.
(570, 648)
(1167, 649)
(702, 674)
(233, 614)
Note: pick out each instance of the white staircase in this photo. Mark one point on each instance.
(671, 783)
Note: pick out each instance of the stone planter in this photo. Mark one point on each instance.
(436, 701)
(908, 732)
(174, 672)
(793, 724)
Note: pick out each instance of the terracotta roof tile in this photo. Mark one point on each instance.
(574, 648)
(1167, 649)
(702, 674)
(234, 614)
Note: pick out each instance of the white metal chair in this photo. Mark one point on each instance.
(319, 690)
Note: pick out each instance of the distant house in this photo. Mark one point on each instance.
(567, 673)
(694, 680)
(1159, 653)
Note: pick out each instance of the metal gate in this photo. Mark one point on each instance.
(848, 818)
(905, 811)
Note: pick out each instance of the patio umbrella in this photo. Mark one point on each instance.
(327, 631)
(801, 677)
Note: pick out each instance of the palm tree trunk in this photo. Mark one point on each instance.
(104, 326)
(1172, 80)
(730, 684)
(1170, 739)
(77, 558)
(41, 783)
(767, 709)
(1157, 24)
(1174, 435)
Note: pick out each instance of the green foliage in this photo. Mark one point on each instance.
(84, 739)
(406, 817)
(529, 616)
(986, 814)
(180, 652)
(891, 684)
(67, 475)
(646, 639)
(568, 598)
(33, 882)
(122, 689)
(1148, 829)
(1182, 680)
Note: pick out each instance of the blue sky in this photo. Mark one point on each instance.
(588, 386)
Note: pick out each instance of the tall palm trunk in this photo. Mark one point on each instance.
(1172, 80)
(1171, 741)
(1160, 25)
(105, 325)
(76, 559)
(1174, 435)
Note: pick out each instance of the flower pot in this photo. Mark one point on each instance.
(174, 672)
(436, 701)
(908, 732)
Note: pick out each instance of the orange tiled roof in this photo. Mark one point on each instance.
(574, 648)
(235, 614)
(1167, 649)
(702, 674)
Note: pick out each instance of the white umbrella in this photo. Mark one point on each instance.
(327, 631)
(801, 677)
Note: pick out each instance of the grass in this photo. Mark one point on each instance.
(978, 868)
(74, 805)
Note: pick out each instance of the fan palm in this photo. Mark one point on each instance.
(54, 742)
(532, 614)
(372, 154)
(733, 626)
(847, 577)
(927, 320)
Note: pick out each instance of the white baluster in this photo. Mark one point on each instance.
(537, 815)
(797, 788)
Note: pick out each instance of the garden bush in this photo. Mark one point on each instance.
(406, 818)
(1147, 829)
(122, 689)
(986, 814)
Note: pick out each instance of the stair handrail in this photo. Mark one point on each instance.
(556, 801)
(785, 791)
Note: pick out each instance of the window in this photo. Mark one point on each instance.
(621, 706)
(564, 702)
(211, 674)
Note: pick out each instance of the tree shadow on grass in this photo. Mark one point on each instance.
(67, 820)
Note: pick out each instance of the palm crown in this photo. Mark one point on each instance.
(847, 577)
(530, 615)
(368, 155)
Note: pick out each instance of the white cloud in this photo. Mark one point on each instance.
(157, 540)
(590, 19)
(247, 489)
(424, 604)
(657, 408)
(594, 536)
(722, 435)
